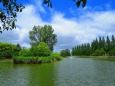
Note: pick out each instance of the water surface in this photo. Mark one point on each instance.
(68, 72)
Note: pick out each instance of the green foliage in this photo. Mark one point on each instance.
(56, 56)
(25, 52)
(7, 50)
(40, 50)
(34, 51)
(23, 58)
(99, 52)
(43, 49)
(112, 52)
(31, 59)
(43, 34)
(8, 14)
(65, 53)
(78, 2)
(98, 47)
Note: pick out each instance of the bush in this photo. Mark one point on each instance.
(7, 50)
(56, 56)
(65, 53)
(43, 49)
(34, 51)
(100, 52)
(25, 53)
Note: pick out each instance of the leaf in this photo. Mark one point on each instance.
(78, 3)
(50, 5)
(13, 24)
(84, 3)
(45, 2)
(9, 7)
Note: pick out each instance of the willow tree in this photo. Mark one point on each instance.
(43, 34)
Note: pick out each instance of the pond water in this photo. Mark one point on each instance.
(68, 72)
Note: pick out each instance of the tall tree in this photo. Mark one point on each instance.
(43, 34)
(113, 41)
(73, 51)
(107, 44)
(103, 43)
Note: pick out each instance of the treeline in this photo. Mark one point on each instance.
(98, 47)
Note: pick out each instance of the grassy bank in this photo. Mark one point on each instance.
(95, 56)
(107, 58)
(36, 60)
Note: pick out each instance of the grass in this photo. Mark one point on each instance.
(44, 59)
(95, 56)
(104, 58)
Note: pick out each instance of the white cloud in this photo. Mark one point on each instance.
(39, 6)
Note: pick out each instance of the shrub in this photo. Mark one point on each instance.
(34, 51)
(25, 52)
(43, 49)
(7, 50)
(56, 56)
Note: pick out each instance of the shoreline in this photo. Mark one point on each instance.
(95, 56)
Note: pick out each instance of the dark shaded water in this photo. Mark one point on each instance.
(68, 72)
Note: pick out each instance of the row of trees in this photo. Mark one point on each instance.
(65, 53)
(97, 47)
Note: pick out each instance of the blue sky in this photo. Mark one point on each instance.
(72, 25)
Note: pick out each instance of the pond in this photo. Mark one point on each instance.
(68, 72)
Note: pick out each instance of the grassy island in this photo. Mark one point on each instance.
(37, 60)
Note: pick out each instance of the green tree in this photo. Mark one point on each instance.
(100, 43)
(103, 43)
(34, 51)
(100, 52)
(63, 53)
(25, 52)
(107, 44)
(7, 50)
(112, 52)
(113, 42)
(43, 34)
(43, 49)
(94, 46)
(73, 51)
(68, 52)
(8, 14)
